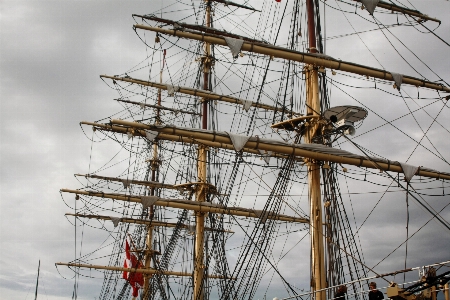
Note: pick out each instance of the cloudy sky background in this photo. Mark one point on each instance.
(51, 54)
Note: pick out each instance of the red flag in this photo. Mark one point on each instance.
(127, 261)
(136, 280)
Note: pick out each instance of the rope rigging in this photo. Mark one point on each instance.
(258, 253)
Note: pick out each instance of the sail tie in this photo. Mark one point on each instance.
(246, 104)
(177, 26)
(115, 220)
(171, 89)
(126, 183)
(370, 5)
(235, 45)
(265, 155)
(148, 201)
(398, 79)
(151, 135)
(409, 171)
(238, 140)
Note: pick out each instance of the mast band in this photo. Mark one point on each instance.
(257, 143)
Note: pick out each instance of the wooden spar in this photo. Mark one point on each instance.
(230, 3)
(159, 107)
(152, 184)
(142, 222)
(176, 138)
(224, 142)
(307, 58)
(208, 30)
(287, 149)
(136, 270)
(406, 11)
(313, 108)
(192, 205)
(198, 93)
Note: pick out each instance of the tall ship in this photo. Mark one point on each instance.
(264, 149)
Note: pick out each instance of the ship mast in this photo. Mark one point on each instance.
(318, 281)
(201, 173)
(154, 165)
(313, 124)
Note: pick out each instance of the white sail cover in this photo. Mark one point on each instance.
(238, 140)
(171, 89)
(126, 183)
(262, 215)
(148, 201)
(370, 5)
(151, 135)
(398, 79)
(409, 171)
(142, 105)
(235, 45)
(177, 26)
(115, 220)
(129, 134)
(265, 155)
(246, 104)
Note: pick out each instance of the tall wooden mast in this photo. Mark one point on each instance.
(318, 281)
(154, 165)
(201, 173)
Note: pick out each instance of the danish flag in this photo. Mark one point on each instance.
(136, 280)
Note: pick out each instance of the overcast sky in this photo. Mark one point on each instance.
(51, 56)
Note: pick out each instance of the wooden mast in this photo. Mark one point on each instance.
(318, 281)
(154, 164)
(201, 189)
